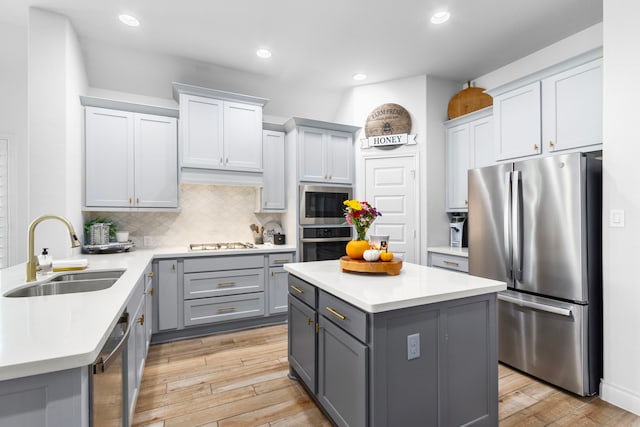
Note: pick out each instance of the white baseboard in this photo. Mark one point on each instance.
(620, 396)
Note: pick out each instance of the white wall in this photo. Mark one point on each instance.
(425, 98)
(577, 44)
(151, 74)
(13, 124)
(621, 384)
(56, 79)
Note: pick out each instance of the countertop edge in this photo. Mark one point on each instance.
(79, 359)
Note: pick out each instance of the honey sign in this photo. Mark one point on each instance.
(388, 126)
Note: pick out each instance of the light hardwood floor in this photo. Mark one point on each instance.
(240, 379)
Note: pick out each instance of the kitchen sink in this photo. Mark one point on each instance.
(69, 283)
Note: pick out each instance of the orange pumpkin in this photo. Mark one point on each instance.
(355, 248)
(386, 256)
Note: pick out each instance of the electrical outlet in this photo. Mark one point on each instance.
(413, 346)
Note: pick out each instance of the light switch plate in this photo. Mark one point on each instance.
(616, 218)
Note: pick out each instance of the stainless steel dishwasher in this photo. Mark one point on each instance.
(107, 378)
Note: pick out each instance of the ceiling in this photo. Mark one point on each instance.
(325, 43)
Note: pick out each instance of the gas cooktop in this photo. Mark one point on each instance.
(220, 246)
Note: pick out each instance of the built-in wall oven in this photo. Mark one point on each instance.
(323, 243)
(107, 379)
(323, 204)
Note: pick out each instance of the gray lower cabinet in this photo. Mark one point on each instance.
(215, 293)
(342, 375)
(168, 294)
(432, 365)
(302, 341)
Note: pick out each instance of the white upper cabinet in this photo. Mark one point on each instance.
(242, 136)
(131, 160)
(156, 161)
(572, 108)
(517, 122)
(219, 132)
(469, 145)
(272, 195)
(556, 109)
(325, 155)
(202, 132)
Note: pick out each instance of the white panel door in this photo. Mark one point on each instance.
(156, 161)
(572, 107)
(312, 159)
(339, 148)
(109, 165)
(458, 145)
(390, 185)
(482, 145)
(201, 132)
(517, 122)
(273, 192)
(242, 136)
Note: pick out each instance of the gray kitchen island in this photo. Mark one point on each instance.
(416, 349)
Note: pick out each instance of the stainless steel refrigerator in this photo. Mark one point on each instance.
(537, 224)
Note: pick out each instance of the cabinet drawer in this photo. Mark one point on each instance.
(279, 259)
(343, 314)
(219, 283)
(450, 262)
(222, 262)
(302, 290)
(220, 309)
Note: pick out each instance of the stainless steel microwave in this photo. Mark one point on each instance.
(323, 204)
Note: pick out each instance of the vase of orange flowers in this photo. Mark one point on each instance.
(360, 215)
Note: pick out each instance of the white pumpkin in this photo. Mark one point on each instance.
(371, 255)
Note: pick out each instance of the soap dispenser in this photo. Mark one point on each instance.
(45, 261)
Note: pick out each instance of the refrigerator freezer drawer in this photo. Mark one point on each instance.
(545, 338)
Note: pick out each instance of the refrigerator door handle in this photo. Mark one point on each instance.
(516, 225)
(507, 224)
(536, 306)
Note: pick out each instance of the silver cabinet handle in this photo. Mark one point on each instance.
(536, 306)
(451, 262)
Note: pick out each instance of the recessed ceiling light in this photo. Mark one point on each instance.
(440, 17)
(359, 76)
(263, 53)
(129, 20)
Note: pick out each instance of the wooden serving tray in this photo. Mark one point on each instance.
(392, 267)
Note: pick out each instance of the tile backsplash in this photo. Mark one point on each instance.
(209, 213)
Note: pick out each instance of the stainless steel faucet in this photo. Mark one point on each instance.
(32, 261)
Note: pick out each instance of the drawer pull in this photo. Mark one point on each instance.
(297, 289)
(281, 260)
(451, 262)
(226, 283)
(335, 313)
(226, 309)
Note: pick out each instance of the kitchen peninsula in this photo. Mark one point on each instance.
(377, 350)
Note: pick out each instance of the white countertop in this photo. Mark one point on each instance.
(55, 332)
(448, 250)
(415, 285)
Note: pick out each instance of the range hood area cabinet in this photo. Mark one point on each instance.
(220, 135)
(325, 150)
(131, 158)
